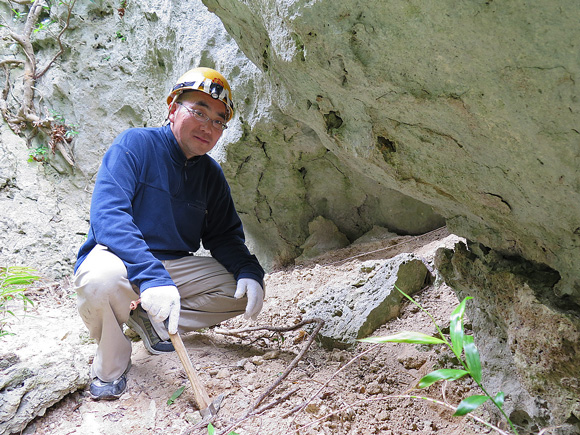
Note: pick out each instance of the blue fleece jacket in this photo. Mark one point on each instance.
(150, 203)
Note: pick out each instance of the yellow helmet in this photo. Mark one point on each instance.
(206, 80)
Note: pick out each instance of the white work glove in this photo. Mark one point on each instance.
(162, 303)
(255, 294)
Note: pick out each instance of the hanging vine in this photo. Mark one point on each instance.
(22, 70)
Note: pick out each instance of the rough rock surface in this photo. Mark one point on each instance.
(470, 108)
(324, 236)
(35, 377)
(243, 368)
(528, 338)
(43, 216)
(118, 77)
(362, 112)
(355, 311)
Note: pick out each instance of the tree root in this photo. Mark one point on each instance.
(25, 116)
(253, 411)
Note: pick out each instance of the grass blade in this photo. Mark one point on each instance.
(472, 358)
(19, 280)
(441, 375)
(456, 327)
(469, 404)
(405, 337)
(499, 399)
(175, 395)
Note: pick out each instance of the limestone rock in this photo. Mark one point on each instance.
(377, 233)
(281, 173)
(453, 105)
(41, 213)
(324, 237)
(29, 387)
(529, 340)
(46, 359)
(364, 112)
(355, 312)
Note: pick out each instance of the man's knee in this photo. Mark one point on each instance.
(100, 274)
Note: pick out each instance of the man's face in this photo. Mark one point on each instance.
(196, 137)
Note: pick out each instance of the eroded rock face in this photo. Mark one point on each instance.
(282, 172)
(528, 338)
(46, 359)
(470, 108)
(364, 112)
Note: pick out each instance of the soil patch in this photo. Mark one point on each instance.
(355, 391)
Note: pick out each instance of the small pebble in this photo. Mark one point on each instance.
(273, 354)
(222, 374)
(257, 360)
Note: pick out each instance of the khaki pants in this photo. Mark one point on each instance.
(105, 294)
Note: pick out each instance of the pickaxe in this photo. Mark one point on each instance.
(207, 408)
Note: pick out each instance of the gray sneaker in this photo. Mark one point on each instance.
(139, 322)
(101, 390)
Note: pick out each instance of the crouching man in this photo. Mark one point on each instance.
(157, 195)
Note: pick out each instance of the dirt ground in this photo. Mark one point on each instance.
(355, 391)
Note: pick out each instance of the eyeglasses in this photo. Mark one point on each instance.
(202, 117)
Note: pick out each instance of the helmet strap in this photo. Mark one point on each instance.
(171, 105)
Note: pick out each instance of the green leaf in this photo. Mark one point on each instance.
(472, 358)
(499, 399)
(8, 292)
(469, 404)
(175, 395)
(210, 429)
(441, 375)
(19, 280)
(405, 337)
(456, 327)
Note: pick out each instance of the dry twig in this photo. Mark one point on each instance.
(252, 412)
(59, 40)
(306, 402)
(401, 396)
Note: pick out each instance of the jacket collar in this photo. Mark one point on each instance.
(175, 150)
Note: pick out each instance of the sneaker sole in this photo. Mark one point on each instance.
(137, 328)
(110, 397)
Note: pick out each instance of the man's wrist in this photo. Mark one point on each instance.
(250, 275)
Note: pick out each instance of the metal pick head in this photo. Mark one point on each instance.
(212, 408)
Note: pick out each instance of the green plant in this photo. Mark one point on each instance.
(18, 15)
(211, 430)
(43, 25)
(38, 154)
(464, 349)
(175, 395)
(121, 36)
(121, 8)
(61, 134)
(13, 283)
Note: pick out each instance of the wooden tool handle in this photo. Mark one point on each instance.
(201, 396)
